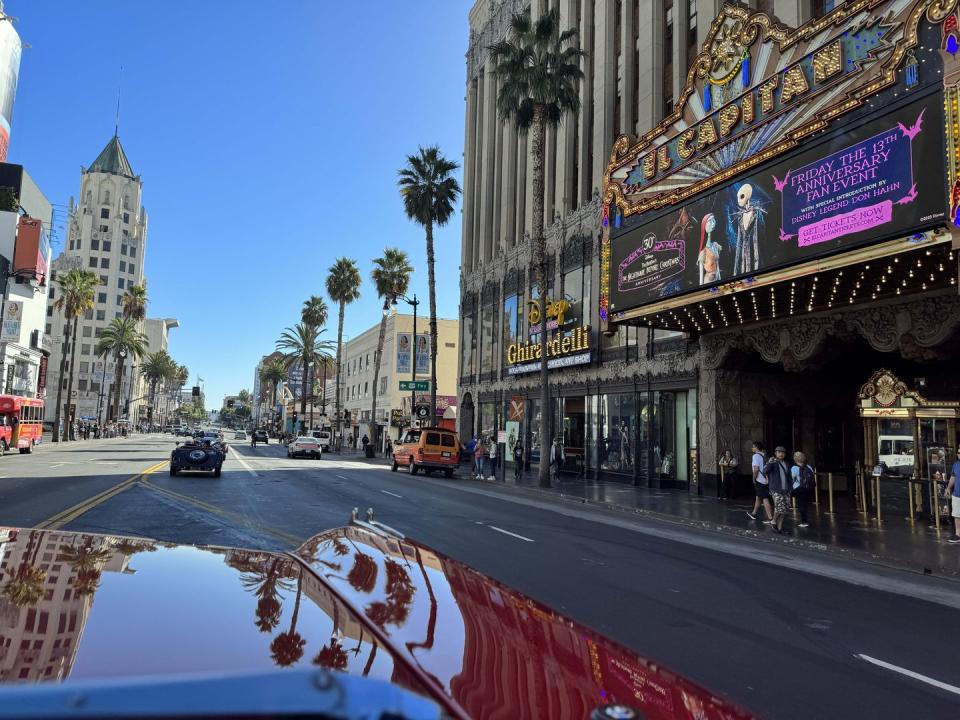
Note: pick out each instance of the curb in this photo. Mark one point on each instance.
(869, 558)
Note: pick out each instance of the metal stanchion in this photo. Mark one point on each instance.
(830, 490)
(935, 503)
(720, 487)
(910, 499)
(816, 490)
(876, 495)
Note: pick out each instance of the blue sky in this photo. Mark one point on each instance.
(268, 136)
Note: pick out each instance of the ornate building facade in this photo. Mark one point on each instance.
(751, 258)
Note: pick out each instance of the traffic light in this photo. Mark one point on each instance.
(196, 391)
(229, 403)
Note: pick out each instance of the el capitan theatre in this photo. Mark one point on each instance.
(792, 225)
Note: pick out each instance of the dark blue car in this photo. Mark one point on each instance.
(197, 456)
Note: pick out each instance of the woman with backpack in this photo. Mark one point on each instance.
(804, 482)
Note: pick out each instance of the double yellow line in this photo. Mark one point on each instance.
(72, 513)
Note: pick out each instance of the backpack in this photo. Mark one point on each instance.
(807, 478)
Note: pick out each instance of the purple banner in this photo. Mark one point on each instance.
(652, 263)
(851, 190)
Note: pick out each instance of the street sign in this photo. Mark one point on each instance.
(414, 385)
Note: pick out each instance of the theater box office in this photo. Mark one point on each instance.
(794, 220)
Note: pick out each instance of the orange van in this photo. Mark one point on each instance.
(427, 449)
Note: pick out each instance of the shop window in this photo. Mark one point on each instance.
(614, 426)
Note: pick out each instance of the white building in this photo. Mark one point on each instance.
(24, 270)
(157, 331)
(107, 233)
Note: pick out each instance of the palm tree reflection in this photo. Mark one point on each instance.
(287, 647)
(399, 590)
(25, 586)
(85, 561)
(363, 574)
(267, 584)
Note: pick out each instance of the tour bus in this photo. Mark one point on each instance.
(21, 423)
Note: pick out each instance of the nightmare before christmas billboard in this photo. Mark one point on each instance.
(871, 182)
(786, 145)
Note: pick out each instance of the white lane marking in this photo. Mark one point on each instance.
(243, 463)
(387, 492)
(507, 532)
(911, 674)
(56, 465)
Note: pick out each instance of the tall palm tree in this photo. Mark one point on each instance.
(539, 70)
(314, 311)
(343, 287)
(122, 338)
(77, 288)
(274, 373)
(391, 277)
(429, 192)
(157, 368)
(302, 343)
(135, 302)
(181, 378)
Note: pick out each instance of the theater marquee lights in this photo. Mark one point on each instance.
(722, 194)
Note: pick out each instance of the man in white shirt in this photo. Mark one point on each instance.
(761, 486)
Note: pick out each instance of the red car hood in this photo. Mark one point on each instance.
(92, 606)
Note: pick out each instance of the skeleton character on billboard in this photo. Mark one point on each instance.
(708, 259)
(747, 221)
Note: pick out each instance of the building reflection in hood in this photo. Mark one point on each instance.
(48, 581)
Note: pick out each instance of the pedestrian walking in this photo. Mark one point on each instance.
(761, 488)
(557, 458)
(517, 459)
(804, 481)
(953, 489)
(493, 458)
(478, 459)
(777, 473)
(388, 448)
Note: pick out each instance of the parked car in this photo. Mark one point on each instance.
(438, 639)
(324, 437)
(205, 455)
(427, 449)
(304, 446)
(261, 436)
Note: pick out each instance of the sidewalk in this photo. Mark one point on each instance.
(895, 542)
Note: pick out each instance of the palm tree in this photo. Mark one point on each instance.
(287, 647)
(391, 277)
(158, 367)
(135, 302)
(343, 287)
(274, 373)
(301, 343)
(539, 70)
(429, 193)
(122, 338)
(77, 289)
(314, 311)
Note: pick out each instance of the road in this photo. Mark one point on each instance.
(785, 633)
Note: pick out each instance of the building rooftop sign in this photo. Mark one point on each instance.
(786, 146)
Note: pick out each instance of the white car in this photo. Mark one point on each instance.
(239, 435)
(305, 446)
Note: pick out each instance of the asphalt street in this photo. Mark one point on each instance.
(785, 634)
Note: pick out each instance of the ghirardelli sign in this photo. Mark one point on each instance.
(759, 88)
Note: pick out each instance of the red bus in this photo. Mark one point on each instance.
(21, 423)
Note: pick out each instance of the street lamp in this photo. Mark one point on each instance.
(413, 348)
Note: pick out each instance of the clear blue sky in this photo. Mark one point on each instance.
(268, 136)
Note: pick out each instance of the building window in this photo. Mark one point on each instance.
(468, 346)
(95, 386)
(120, 282)
(123, 266)
(84, 366)
(118, 314)
(81, 385)
(510, 322)
(819, 8)
(106, 197)
(49, 310)
(577, 292)
(105, 263)
(85, 349)
(693, 47)
(383, 386)
(104, 228)
(119, 299)
(101, 297)
(107, 245)
(94, 244)
(488, 339)
(133, 251)
(88, 315)
(126, 217)
(667, 57)
(93, 262)
(48, 328)
(97, 332)
(105, 213)
(101, 315)
(123, 248)
(87, 331)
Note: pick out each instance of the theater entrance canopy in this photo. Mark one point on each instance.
(801, 170)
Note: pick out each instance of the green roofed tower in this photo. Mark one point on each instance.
(112, 160)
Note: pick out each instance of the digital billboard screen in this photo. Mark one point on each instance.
(873, 182)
